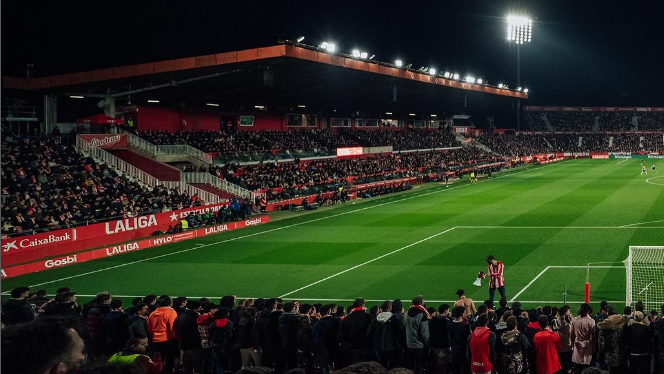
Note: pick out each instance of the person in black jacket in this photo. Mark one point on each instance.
(324, 343)
(64, 305)
(354, 332)
(658, 340)
(189, 339)
(304, 331)
(439, 339)
(458, 331)
(18, 309)
(385, 332)
(261, 334)
(288, 322)
(221, 336)
(512, 349)
(93, 313)
(249, 349)
(115, 328)
(638, 340)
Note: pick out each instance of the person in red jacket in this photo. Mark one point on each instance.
(481, 347)
(161, 326)
(547, 343)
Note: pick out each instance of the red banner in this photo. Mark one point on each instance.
(55, 243)
(530, 108)
(103, 141)
(71, 259)
(599, 155)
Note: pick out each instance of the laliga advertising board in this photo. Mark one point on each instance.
(55, 243)
(70, 259)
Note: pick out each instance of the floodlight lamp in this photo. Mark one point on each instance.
(372, 57)
(153, 101)
(364, 55)
(388, 113)
(525, 90)
(356, 53)
(330, 47)
(299, 39)
(480, 81)
(447, 74)
(500, 85)
(408, 66)
(470, 79)
(456, 76)
(76, 97)
(398, 63)
(411, 114)
(432, 71)
(211, 104)
(323, 45)
(518, 89)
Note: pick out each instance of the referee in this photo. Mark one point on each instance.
(496, 274)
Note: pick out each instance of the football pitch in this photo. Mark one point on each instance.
(545, 223)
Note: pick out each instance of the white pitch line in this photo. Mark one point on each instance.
(279, 228)
(559, 227)
(620, 162)
(642, 223)
(368, 262)
(653, 183)
(530, 283)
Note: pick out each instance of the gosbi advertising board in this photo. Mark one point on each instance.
(118, 249)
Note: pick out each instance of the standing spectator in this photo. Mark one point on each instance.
(288, 322)
(189, 340)
(513, 346)
(138, 323)
(417, 335)
(638, 339)
(482, 347)
(249, 349)
(203, 322)
(531, 329)
(261, 332)
(40, 299)
(440, 339)
(385, 332)
(547, 343)
(94, 313)
(64, 304)
(304, 330)
(399, 313)
(114, 327)
(503, 307)
(354, 332)
(563, 326)
(583, 338)
(659, 342)
(610, 341)
(221, 336)
(459, 332)
(161, 326)
(467, 303)
(18, 309)
(324, 345)
(135, 353)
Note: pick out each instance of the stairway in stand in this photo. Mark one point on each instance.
(212, 189)
(157, 169)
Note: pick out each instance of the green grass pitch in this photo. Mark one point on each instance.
(430, 241)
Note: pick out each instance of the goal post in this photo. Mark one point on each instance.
(644, 268)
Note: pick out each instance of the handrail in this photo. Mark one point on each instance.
(174, 149)
(145, 178)
(207, 178)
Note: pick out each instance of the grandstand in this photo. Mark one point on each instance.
(311, 208)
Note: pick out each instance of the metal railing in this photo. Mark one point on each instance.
(158, 150)
(145, 178)
(207, 178)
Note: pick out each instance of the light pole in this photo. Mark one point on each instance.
(519, 31)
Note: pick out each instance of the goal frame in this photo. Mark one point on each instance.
(631, 294)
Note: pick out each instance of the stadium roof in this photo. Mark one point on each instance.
(283, 75)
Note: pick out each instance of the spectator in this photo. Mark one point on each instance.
(638, 339)
(203, 322)
(354, 332)
(189, 339)
(481, 347)
(46, 345)
(439, 339)
(249, 349)
(114, 328)
(135, 353)
(610, 341)
(323, 339)
(221, 336)
(288, 322)
(161, 326)
(18, 309)
(563, 326)
(547, 343)
(304, 330)
(466, 303)
(583, 338)
(459, 332)
(417, 335)
(94, 313)
(138, 323)
(385, 332)
(513, 347)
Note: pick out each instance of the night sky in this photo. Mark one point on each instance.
(582, 53)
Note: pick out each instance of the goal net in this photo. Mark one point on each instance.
(645, 276)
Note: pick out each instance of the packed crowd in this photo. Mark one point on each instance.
(311, 141)
(47, 186)
(514, 144)
(163, 334)
(299, 174)
(585, 121)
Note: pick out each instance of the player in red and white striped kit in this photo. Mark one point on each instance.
(497, 281)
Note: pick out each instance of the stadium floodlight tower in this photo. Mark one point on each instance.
(519, 32)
